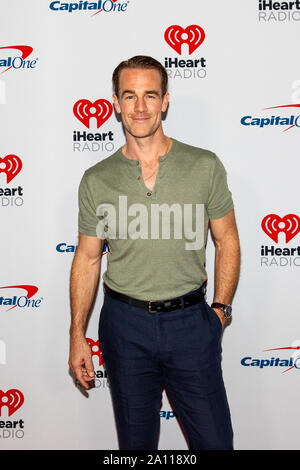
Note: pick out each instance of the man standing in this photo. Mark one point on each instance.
(153, 201)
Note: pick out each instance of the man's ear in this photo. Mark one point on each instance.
(116, 103)
(165, 102)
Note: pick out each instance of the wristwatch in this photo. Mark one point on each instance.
(227, 309)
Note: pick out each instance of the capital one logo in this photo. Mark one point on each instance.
(95, 348)
(295, 358)
(293, 362)
(107, 6)
(294, 121)
(286, 122)
(272, 225)
(84, 110)
(11, 165)
(17, 62)
(193, 36)
(23, 300)
(13, 399)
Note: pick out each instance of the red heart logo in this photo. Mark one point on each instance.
(272, 225)
(95, 348)
(84, 110)
(193, 35)
(11, 165)
(13, 399)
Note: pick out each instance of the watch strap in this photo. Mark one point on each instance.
(225, 308)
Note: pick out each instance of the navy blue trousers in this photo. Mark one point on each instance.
(180, 351)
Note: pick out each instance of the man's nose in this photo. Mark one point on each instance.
(140, 105)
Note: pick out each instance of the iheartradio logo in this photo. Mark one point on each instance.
(84, 110)
(101, 379)
(13, 399)
(272, 225)
(193, 36)
(11, 165)
(95, 348)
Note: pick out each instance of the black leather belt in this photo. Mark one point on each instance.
(153, 306)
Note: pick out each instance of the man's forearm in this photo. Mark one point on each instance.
(227, 268)
(83, 283)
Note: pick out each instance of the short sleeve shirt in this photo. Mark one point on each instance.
(156, 238)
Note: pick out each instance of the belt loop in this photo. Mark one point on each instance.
(182, 302)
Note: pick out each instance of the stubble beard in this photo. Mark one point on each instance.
(151, 132)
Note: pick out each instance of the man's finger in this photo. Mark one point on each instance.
(83, 380)
(89, 367)
(82, 383)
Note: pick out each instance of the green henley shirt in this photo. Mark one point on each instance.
(156, 238)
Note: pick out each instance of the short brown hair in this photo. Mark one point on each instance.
(140, 62)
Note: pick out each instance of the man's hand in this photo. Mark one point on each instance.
(81, 362)
(221, 316)
(84, 280)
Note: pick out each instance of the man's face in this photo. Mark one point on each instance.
(140, 101)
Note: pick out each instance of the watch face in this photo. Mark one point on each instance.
(228, 311)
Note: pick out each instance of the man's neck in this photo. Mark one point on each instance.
(146, 149)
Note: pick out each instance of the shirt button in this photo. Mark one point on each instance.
(149, 194)
(139, 178)
(137, 163)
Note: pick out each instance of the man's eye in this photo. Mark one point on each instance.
(129, 97)
(151, 96)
